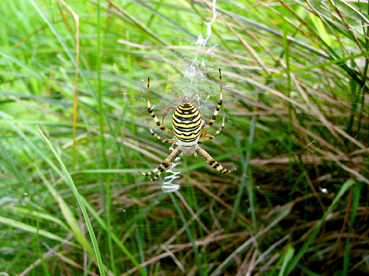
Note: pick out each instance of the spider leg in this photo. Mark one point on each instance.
(193, 95)
(211, 122)
(179, 100)
(163, 128)
(163, 165)
(210, 160)
(157, 136)
(209, 137)
(203, 134)
(162, 120)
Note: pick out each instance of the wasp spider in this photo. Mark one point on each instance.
(189, 131)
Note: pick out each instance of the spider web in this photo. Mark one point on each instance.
(196, 78)
(21, 145)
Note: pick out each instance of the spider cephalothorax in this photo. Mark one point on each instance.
(189, 131)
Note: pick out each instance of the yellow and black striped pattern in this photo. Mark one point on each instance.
(166, 164)
(187, 124)
(210, 160)
(189, 131)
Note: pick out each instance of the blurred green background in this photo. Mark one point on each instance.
(73, 109)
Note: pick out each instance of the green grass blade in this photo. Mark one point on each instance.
(37, 214)
(324, 64)
(65, 46)
(31, 229)
(80, 202)
(355, 203)
(278, 135)
(318, 226)
(287, 256)
(307, 271)
(68, 215)
(190, 236)
(245, 174)
(113, 236)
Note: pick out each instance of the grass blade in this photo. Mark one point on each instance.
(190, 236)
(355, 203)
(31, 229)
(80, 202)
(315, 232)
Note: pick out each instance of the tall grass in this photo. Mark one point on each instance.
(295, 83)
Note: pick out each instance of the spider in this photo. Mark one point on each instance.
(189, 131)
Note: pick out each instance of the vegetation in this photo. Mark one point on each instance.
(73, 109)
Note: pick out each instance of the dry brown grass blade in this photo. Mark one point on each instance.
(177, 248)
(68, 261)
(133, 19)
(265, 253)
(45, 255)
(348, 27)
(219, 269)
(192, 213)
(126, 143)
(75, 101)
(321, 141)
(182, 230)
(246, 45)
(272, 91)
(352, 171)
(315, 111)
(316, 13)
(310, 37)
(222, 202)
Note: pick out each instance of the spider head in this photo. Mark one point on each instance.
(185, 98)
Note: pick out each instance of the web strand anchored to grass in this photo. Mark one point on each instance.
(194, 68)
(310, 136)
(168, 186)
(201, 40)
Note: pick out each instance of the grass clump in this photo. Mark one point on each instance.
(295, 79)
